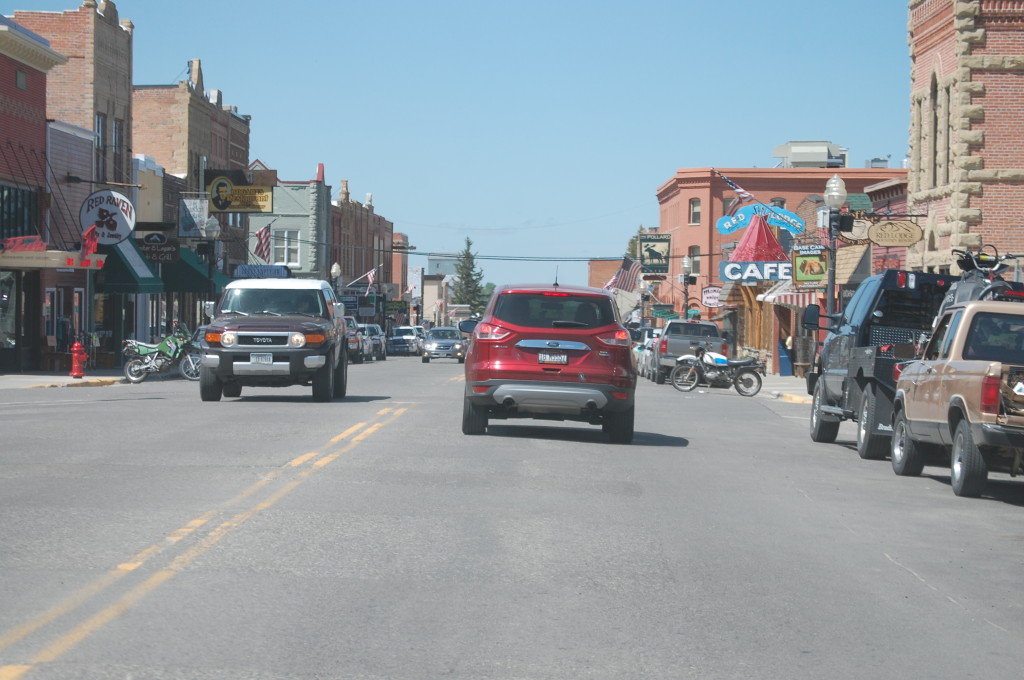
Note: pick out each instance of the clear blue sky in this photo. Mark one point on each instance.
(535, 128)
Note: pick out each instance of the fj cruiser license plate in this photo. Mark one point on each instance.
(261, 358)
(552, 358)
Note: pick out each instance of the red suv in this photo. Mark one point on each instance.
(550, 352)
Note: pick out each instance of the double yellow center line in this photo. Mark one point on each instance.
(298, 469)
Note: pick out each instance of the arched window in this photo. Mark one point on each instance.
(694, 211)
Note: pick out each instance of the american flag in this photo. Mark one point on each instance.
(263, 244)
(625, 278)
(742, 195)
(371, 276)
(90, 240)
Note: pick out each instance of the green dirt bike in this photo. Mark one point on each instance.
(179, 348)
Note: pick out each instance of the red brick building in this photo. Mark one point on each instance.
(967, 113)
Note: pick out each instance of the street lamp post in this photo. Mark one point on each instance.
(686, 264)
(835, 197)
(335, 275)
(211, 230)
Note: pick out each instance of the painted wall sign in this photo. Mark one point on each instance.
(755, 271)
(111, 212)
(777, 217)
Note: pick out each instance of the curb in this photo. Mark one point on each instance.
(793, 398)
(93, 382)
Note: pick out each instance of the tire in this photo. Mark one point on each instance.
(210, 386)
(869, 446)
(383, 354)
(462, 360)
(134, 371)
(474, 418)
(323, 381)
(619, 426)
(659, 375)
(968, 472)
(357, 358)
(747, 383)
(824, 427)
(232, 390)
(341, 377)
(425, 359)
(684, 377)
(189, 365)
(907, 457)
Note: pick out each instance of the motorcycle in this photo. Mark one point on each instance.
(715, 370)
(179, 348)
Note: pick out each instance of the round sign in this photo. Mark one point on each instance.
(111, 213)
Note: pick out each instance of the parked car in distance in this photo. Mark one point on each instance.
(358, 343)
(404, 340)
(378, 343)
(961, 404)
(550, 352)
(646, 356)
(444, 342)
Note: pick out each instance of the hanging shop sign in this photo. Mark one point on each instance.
(112, 214)
(654, 250)
(710, 295)
(231, 191)
(777, 217)
(810, 266)
(755, 271)
(895, 233)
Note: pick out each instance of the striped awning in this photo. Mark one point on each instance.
(783, 294)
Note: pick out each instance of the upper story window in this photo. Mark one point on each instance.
(694, 253)
(21, 80)
(694, 211)
(100, 128)
(286, 247)
(779, 202)
(117, 147)
(19, 212)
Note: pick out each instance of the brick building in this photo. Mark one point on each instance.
(966, 155)
(26, 58)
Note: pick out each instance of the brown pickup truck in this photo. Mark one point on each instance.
(962, 402)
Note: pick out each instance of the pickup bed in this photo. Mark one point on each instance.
(962, 403)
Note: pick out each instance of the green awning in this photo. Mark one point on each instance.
(191, 275)
(126, 271)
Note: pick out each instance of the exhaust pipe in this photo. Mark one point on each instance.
(591, 405)
(509, 402)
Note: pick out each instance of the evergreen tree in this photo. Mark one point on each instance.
(468, 287)
(633, 247)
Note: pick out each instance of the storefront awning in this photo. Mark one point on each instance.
(851, 265)
(191, 275)
(783, 294)
(126, 271)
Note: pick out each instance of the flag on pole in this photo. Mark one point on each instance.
(625, 277)
(742, 195)
(370, 277)
(262, 249)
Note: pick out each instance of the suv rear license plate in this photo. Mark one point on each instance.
(552, 358)
(262, 358)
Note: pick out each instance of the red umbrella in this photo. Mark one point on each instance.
(758, 244)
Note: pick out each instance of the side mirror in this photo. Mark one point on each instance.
(209, 308)
(904, 350)
(812, 317)
(468, 326)
(339, 310)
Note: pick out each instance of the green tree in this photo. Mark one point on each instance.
(633, 247)
(468, 287)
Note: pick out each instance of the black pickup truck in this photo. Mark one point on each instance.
(852, 377)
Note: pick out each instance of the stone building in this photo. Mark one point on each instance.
(966, 154)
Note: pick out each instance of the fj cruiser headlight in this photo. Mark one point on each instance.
(297, 340)
(228, 339)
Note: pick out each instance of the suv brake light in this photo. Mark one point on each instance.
(990, 394)
(618, 338)
(490, 331)
(663, 346)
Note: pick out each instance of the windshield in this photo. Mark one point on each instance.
(276, 302)
(403, 330)
(539, 310)
(443, 334)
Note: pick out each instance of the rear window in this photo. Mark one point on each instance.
(996, 337)
(555, 310)
(694, 329)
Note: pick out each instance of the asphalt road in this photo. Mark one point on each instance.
(145, 534)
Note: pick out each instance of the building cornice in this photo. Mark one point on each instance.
(30, 52)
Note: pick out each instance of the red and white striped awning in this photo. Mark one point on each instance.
(783, 294)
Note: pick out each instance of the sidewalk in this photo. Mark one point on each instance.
(786, 388)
